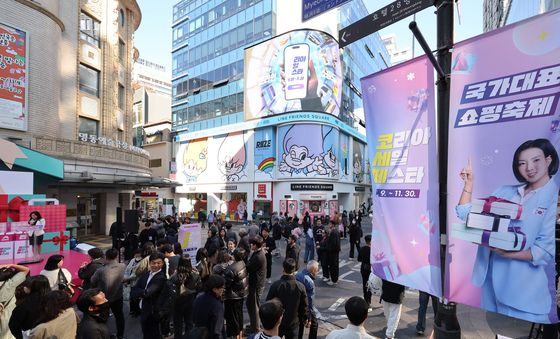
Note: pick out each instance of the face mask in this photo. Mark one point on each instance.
(103, 312)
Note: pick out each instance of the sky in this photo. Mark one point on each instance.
(153, 37)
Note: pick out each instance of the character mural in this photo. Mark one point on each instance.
(192, 159)
(308, 150)
(265, 153)
(344, 154)
(358, 162)
(232, 157)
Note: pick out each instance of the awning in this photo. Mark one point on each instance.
(25, 158)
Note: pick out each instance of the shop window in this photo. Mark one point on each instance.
(89, 80)
(89, 29)
(155, 163)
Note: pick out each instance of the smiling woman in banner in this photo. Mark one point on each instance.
(517, 228)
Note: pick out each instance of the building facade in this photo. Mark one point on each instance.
(76, 77)
(498, 13)
(397, 54)
(231, 158)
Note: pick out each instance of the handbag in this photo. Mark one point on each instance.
(374, 284)
(63, 284)
(7, 273)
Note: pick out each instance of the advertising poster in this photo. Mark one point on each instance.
(189, 238)
(400, 120)
(344, 154)
(503, 163)
(232, 156)
(265, 153)
(358, 161)
(13, 75)
(308, 150)
(192, 160)
(296, 71)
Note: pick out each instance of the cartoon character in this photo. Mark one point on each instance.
(195, 159)
(241, 208)
(301, 152)
(329, 159)
(231, 156)
(358, 171)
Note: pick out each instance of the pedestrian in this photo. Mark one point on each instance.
(254, 230)
(268, 246)
(25, 315)
(11, 276)
(212, 244)
(355, 233)
(245, 217)
(223, 260)
(211, 218)
(231, 246)
(309, 253)
(95, 307)
(208, 308)
(148, 234)
(344, 219)
(173, 259)
(188, 283)
(307, 278)
(148, 288)
(244, 242)
(202, 264)
(392, 295)
(357, 311)
(271, 313)
(365, 267)
(333, 251)
(294, 299)
(237, 289)
(423, 299)
(323, 235)
(56, 273)
(292, 250)
(57, 318)
(130, 279)
(256, 267)
(130, 244)
(231, 234)
(109, 279)
(87, 270)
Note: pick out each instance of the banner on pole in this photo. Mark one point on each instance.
(400, 124)
(189, 238)
(502, 178)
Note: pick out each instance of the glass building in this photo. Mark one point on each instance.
(209, 38)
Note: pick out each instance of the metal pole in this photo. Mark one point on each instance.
(446, 324)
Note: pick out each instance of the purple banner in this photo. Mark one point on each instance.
(503, 163)
(400, 122)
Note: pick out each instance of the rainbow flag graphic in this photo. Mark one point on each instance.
(266, 164)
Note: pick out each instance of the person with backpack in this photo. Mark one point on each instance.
(208, 308)
(188, 283)
(237, 289)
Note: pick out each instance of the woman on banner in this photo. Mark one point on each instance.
(515, 283)
(36, 231)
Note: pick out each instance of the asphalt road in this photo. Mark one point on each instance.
(329, 302)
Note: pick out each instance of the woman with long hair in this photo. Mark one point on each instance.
(36, 231)
(202, 264)
(26, 314)
(10, 278)
(188, 283)
(57, 318)
(223, 260)
(55, 272)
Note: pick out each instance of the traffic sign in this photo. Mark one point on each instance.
(312, 8)
(381, 18)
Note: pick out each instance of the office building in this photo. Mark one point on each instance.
(498, 13)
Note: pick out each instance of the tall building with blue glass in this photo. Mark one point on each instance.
(250, 144)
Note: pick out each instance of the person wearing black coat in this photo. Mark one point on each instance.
(333, 250)
(355, 232)
(392, 296)
(292, 250)
(95, 308)
(86, 271)
(293, 296)
(365, 267)
(26, 314)
(208, 308)
(237, 289)
(148, 288)
(269, 246)
(256, 267)
(212, 244)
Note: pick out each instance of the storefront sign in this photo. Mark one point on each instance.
(263, 191)
(360, 188)
(228, 188)
(312, 187)
(502, 218)
(94, 139)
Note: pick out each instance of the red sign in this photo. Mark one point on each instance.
(262, 191)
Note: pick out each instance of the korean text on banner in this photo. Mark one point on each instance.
(503, 161)
(189, 238)
(400, 121)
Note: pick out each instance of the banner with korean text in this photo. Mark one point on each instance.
(504, 136)
(400, 125)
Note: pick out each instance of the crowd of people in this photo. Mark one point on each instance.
(202, 297)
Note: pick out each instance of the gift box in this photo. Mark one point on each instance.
(497, 206)
(488, 222)
(55, 242)
(4, 227)
(21, 245)
(11, 204)
(19, 226)
(512, 240)
(6, 246)
(384, 267)
(54, 215)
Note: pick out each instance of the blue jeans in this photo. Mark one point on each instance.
(423, 299)
(309, 251)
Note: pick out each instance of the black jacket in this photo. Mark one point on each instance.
(391, 292)
(256, 267)
(90, 328)
(85, 273)
(294, 298)
(232, 235)
(333, 242)
(208, 312)
(149, 294)
(25, 315)
(212, 245)
(293, 252)
(270, 244)
(364, 258)
(237, 281)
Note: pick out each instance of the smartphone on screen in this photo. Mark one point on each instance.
(296, 64)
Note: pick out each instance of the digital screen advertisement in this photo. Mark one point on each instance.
(296, 71)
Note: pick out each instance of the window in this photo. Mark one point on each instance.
(122, 50)
(122, 95)
(155, 163)
(89, 80)
(121, 17)
(88, 126)
(89, 29)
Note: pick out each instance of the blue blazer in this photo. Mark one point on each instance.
(523, 285)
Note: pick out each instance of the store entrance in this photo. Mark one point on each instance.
(263, 209)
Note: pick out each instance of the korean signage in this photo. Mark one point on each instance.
(94, 139)
(263, 191)
(400, 119)
(312, 8)
(504, 139)
(13, 78)
(312, 187)
(295, 71)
